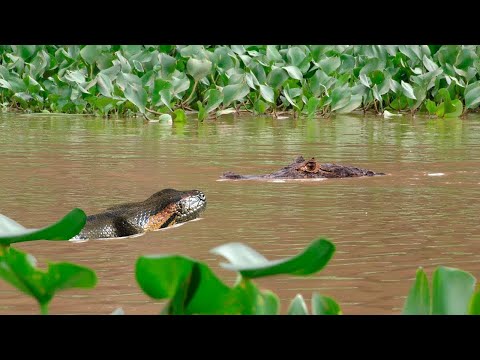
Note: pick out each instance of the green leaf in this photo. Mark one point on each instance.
(179, 115)
(251, 264)
(135, 93)
(162, 93)
(295, 56)
(167, 276)
(202, 114)
(105, 85)
(276, 78)
(273, 54)
(268, 303)
(418, 300)
(260, 106)
(165, 117)
(234, 92)
(18, 269)
(429, 64)
(431, 107)
(294, 72)
(90, 53)
(312, 106)
(297, 306)
(215, 98)
(168, 64)
(198, 69)
(474, 305)
(408, 90)
(65, 229)
(324, 305)
(340, 98)
(330, 64)
(472, 96)
(267, 93)
(354, 103)
(454, 109)
(451, 291)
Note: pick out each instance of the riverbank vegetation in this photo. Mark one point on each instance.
(191, 287)
(208, 81)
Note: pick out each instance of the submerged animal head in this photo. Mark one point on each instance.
(177, 207)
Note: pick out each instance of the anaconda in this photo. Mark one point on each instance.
(163, 209)
(307, 169)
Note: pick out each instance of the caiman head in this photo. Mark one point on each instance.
(176, 207)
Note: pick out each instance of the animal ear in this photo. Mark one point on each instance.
(299, 159)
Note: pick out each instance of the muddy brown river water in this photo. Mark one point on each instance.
(425, 212)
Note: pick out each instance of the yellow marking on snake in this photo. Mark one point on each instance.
(156, 221)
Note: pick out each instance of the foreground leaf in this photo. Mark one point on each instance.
(251, 264)
(418, 300)
(66, 228)
(451, 291)
(324, 305)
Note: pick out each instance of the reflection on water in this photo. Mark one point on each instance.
(383, 227)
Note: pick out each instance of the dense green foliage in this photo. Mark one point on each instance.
(214, 80)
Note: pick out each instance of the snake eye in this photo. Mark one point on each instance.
(201, 196)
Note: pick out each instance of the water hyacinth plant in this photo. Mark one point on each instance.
(307, 80)
(193, 288)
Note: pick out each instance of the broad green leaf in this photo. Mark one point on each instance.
(168, 64)
(162, 93)
(267, 93)
(165, 117)
(472, 96)
(198, 68)
(455, 109)
(329, 64)
(66, 228)
(289, 96)
(179, 115)
(340, 98)
(137, 95)
(408, 90)
(19, 269)
(431, 107)
(163, 276)
(268, 303)
(260, 106)
(324, 305)
(215, 98)
(354, 103)
(418, 300)
(312, 106)
(105, 85)
(451, 291)
(474, 305)
(276, 78)
(234, 92)
(273, 54)
(365, 80)
(294, 72)
(251, 264)
(295, 56)
(90, 53)
(297, 306)
(429, 64)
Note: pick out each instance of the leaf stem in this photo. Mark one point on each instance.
(191, 94)
(44, 308)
